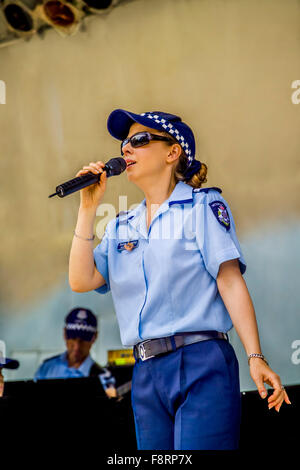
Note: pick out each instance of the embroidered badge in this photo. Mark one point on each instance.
(129, 245)
(220, 211)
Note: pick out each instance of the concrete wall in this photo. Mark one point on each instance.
(227, 68)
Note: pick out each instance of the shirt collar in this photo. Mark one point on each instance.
(182, 193)
(84, 367)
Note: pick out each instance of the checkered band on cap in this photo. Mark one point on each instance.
(81, 327)
(171, 129)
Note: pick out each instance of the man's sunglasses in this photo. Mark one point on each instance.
(143, 138)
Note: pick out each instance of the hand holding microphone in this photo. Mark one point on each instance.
(92, 178)
(91, 195)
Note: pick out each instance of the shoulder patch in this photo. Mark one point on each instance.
(205, 190)
(220, 212)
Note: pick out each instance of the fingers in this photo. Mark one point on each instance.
(277, 398)
(278, 403)
(94, 167)
(279, 394)
(260, 387)
(286, 398)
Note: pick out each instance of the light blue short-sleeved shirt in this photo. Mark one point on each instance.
(57, 368)
(167, 284)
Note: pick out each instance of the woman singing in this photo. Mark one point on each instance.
(175, 270)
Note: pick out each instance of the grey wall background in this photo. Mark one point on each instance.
(227, 68)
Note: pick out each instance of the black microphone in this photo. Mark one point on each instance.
(115, 166)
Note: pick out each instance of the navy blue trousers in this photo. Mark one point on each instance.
(188, 399)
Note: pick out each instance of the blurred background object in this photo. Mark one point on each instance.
(21, 19)
(18, 18)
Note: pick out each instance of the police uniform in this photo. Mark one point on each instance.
(80, 323)
(163, 285)
(57, 367)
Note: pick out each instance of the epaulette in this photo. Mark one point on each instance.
(50, 358)
(205, 190)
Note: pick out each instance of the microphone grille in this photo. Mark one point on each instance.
(115, 166)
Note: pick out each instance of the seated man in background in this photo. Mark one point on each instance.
(80, 333)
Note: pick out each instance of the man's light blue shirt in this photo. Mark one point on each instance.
(57, 368)
(167, 283)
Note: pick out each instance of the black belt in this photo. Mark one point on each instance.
(153, 347)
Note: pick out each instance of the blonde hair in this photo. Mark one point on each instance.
(198, 178)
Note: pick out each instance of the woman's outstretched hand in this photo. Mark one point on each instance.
(261, 373)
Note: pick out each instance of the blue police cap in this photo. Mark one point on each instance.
(7, 363)
(119, 122)
(81, 323)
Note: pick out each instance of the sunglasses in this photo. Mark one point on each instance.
(143, 138)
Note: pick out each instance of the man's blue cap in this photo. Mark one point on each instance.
(81, 323)
(7, 363)
(119, 122)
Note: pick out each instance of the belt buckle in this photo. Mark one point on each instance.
(142, 352)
